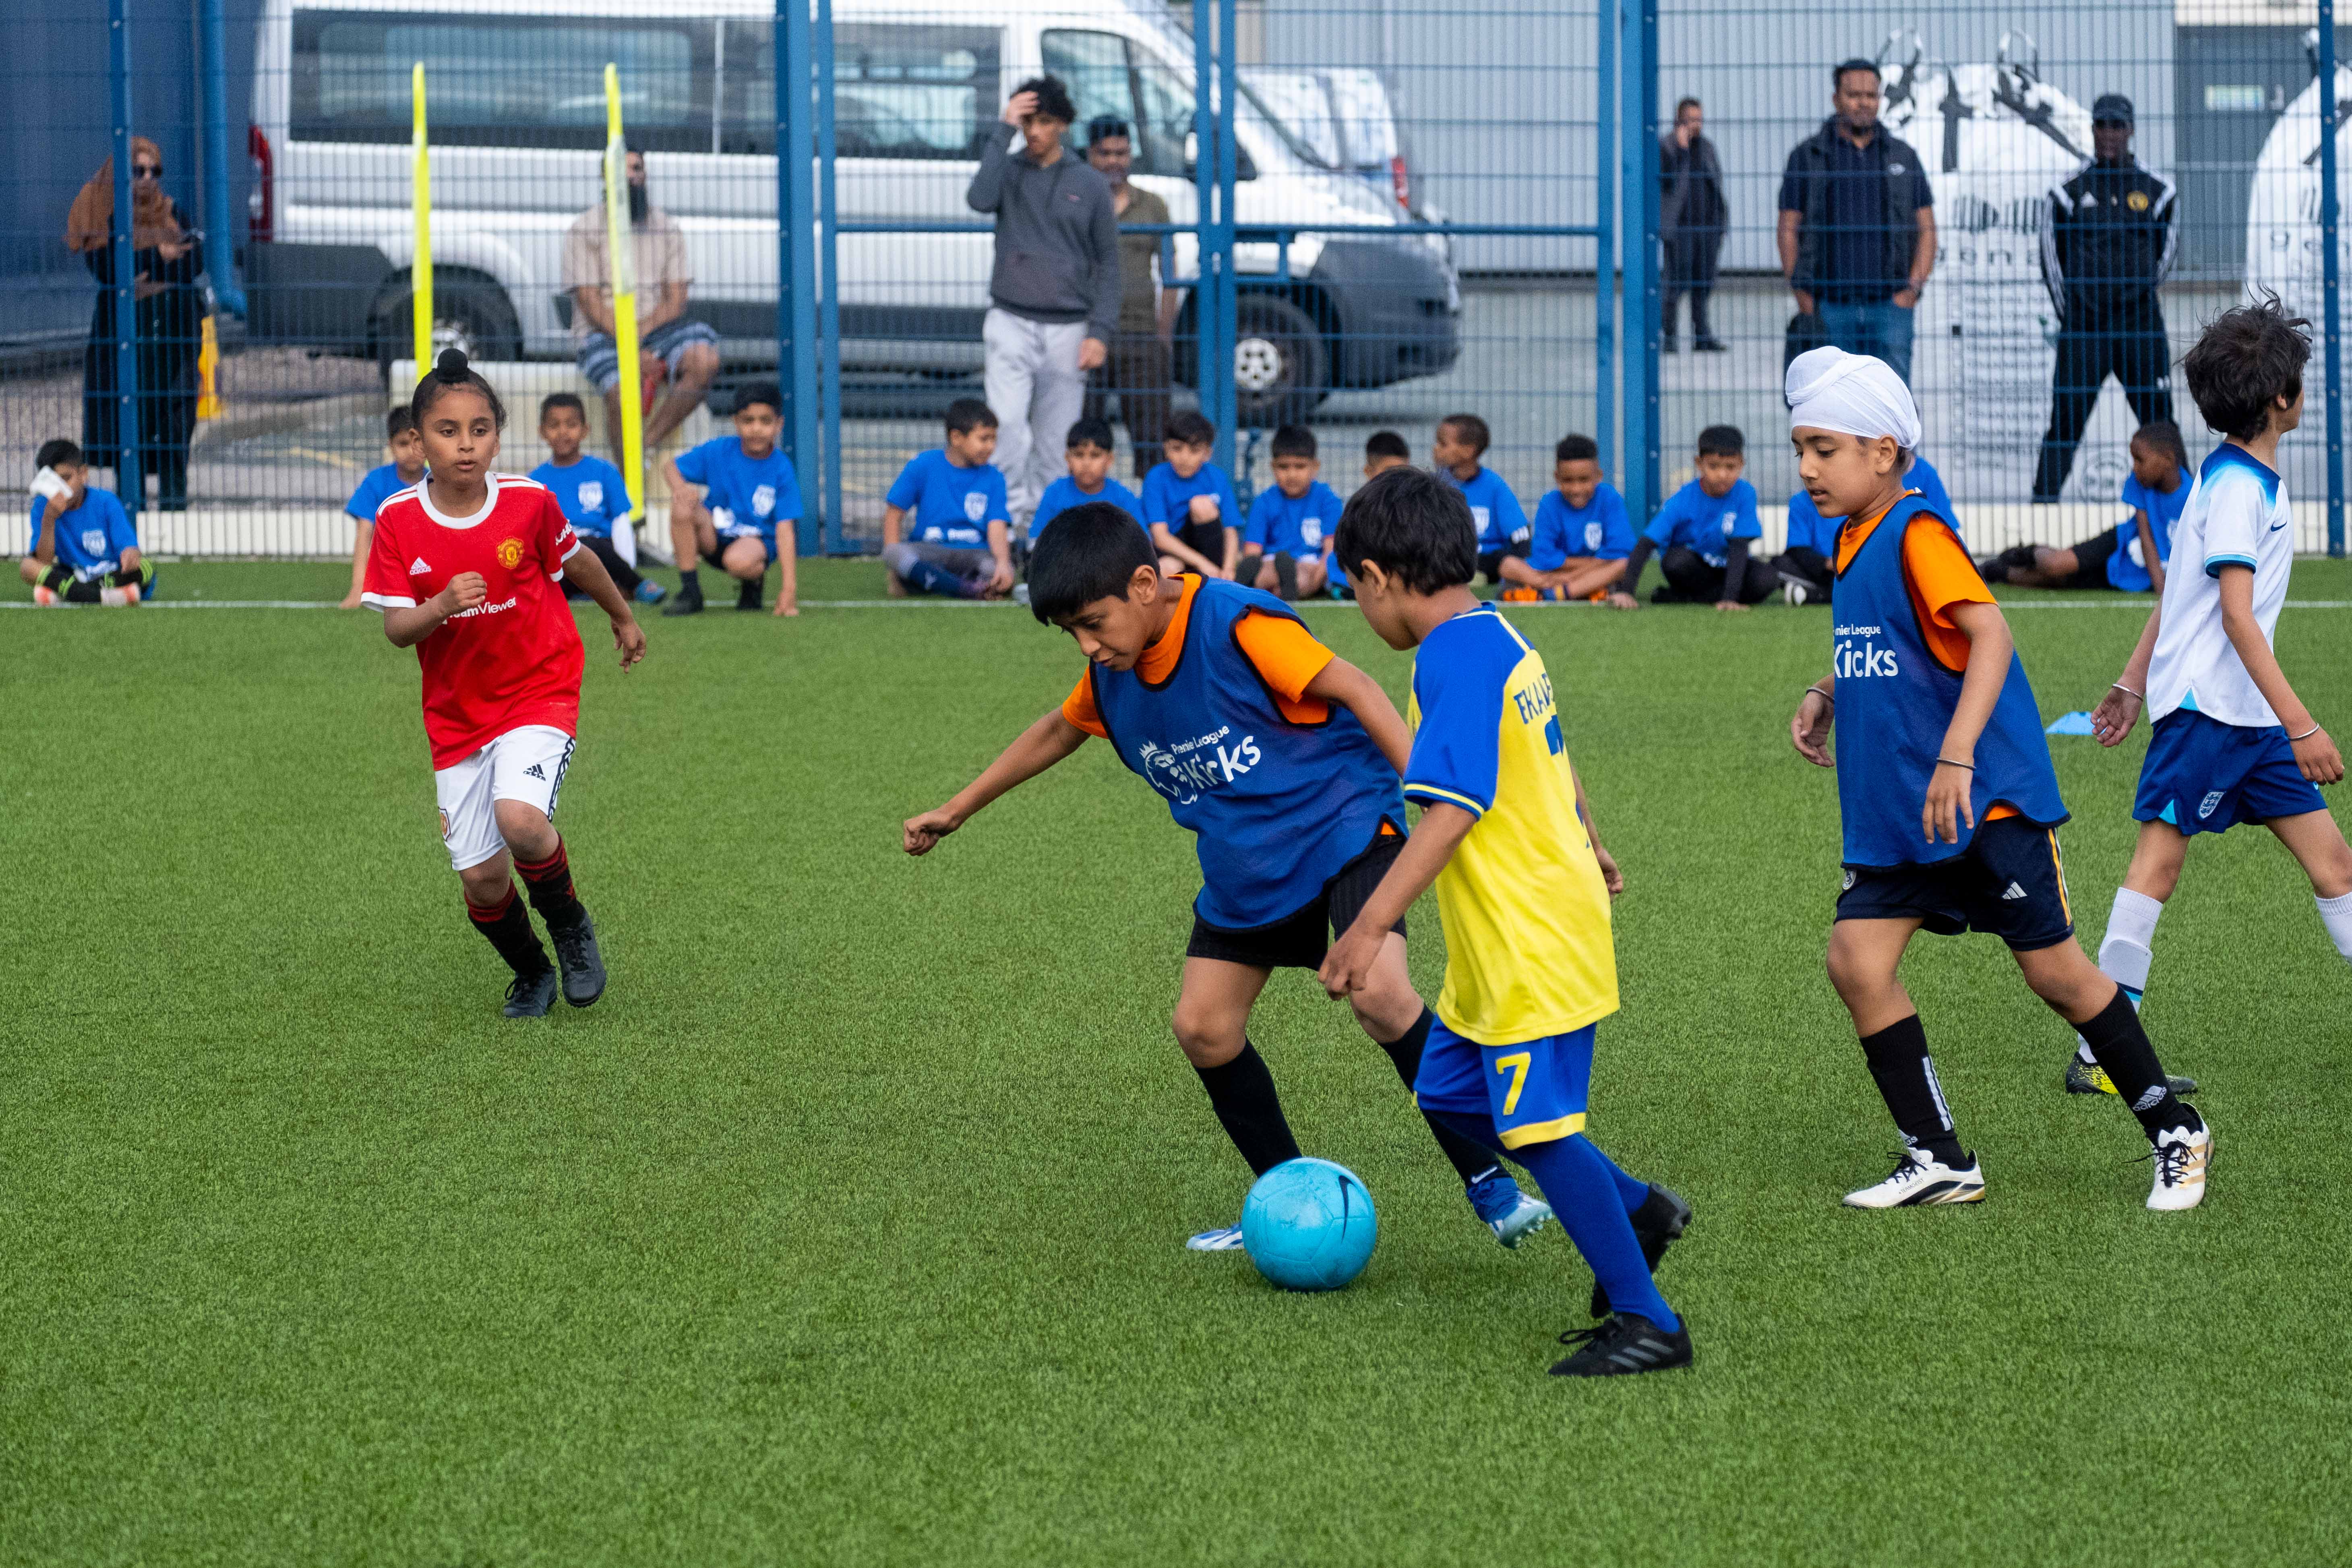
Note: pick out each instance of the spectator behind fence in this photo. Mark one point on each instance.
(406, 465)
(1054, 288)
(2107, 240)
(167, 322)
(1140, 366)
(951, 500)
(1858, 225)
(85, 549)
(687, 350)
(1692, 216)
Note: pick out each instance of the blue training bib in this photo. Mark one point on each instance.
(1894, 700)
(1276, 808)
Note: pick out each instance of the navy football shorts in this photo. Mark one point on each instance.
(2204, 776)
(2009, 881)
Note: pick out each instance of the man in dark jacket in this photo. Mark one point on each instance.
(1858, 225)
(1054, 290)
(1692, 215)
(2107, 238)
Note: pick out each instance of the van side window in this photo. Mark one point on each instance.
(500, 82)
(898, 91)
(1109, 75)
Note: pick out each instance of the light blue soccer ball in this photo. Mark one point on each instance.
(1309, 1225)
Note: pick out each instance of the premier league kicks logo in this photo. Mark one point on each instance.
(1205, 762)
(975, 505)
(592, 495)
(510, 554)
(763, 501)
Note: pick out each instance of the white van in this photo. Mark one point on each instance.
(516, 101)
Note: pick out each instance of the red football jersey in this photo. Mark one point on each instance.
(513, 659)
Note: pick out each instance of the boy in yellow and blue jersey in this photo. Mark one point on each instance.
(1523, 890)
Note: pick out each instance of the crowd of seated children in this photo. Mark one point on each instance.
(1286, 542)
(1581, 537)
(404, 467)
(1188, 505)
(2131, 556)
(1089, 452)
(1503, 531)
(945, 526)
(1704, 533)
(593, 494)
(85, 550)
(748, 488)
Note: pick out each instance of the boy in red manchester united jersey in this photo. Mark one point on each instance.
(467, 567)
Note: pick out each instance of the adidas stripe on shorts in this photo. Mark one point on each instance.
(2010, 881)
(525, 764)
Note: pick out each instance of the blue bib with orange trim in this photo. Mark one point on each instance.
(1895, 700)
(1276, 808)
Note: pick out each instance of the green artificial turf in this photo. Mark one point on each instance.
(846, 1229)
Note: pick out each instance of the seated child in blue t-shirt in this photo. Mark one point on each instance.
(1285, 542)
(1706, 531)
(593, 494)
(947, 528)
(1089, 452)
(1582, 536)
(2130, 556)
(1188, 505)
(1384, 450)
(749, 487)
(85, 550)
(1503, 531)
(379, 485)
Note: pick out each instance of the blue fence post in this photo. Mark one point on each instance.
(2330, 334)
(128, 480)
(220, 253)
(797, 283)
(1212, 356)
(1637, 101)
(1229, 407)
(829, 303)
(1607, 20)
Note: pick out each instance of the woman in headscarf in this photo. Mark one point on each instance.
(167, 321)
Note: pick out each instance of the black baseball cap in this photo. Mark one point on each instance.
(2111, 108)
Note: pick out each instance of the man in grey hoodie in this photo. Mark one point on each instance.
(1054, 291)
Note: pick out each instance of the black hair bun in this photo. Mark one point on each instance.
(451, 365)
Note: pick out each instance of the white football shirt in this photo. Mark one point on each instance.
(2237, 516)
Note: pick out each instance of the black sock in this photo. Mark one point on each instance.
(748, 595)
(80, 593)
(507, 927)
(1471, 1161)
(1285, 576)
(1905, 1075)
(689, 582)
(1242, 1094)
(550, 881)
(2121, 1045)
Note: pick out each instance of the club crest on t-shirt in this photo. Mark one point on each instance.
(93, 540)
(1730, 521)
(1592, 536)
(1479, 514)
(975, 505)
(592, 495)
(763, 500)
(510, 554)
(1311, 531)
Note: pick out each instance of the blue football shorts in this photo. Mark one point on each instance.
(2204, 776)
(1534, 1090)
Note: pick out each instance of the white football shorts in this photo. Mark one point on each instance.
(525, 764)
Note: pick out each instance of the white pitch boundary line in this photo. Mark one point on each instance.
(2132, 602)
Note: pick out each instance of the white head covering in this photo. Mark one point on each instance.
(1829, 389)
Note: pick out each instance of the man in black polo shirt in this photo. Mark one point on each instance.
(1858, 225)
(2108, 239)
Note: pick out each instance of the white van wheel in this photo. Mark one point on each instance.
(1280, 360)
(1257, 365)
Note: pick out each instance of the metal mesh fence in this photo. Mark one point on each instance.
(1425, 216)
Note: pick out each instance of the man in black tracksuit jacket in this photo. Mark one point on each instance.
(2107, 240)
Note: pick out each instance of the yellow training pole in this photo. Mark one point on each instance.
(420, 271)
(621, 261)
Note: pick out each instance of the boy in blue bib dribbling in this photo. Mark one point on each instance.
(1281, 760)
(1949, 803)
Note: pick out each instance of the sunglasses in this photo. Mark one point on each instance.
(146, 171)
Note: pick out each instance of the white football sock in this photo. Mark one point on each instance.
(2127, 952)
(2336, 914)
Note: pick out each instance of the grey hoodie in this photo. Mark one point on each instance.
(1057, 235)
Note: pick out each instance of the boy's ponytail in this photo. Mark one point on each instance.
(450, 371)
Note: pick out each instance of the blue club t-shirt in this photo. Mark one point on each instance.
(590, 491)
(91, 538)
(1299, 528)
(1703, 523)
(1168, 499)
(1493, 507)
(1599, 529)
(948, 504)
(1064, 493)
(744, 494)
(375, 488)
(2126, 569)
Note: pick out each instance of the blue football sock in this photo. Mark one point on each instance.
(1578, 1181)
(1630, 1192)
(925, 577)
